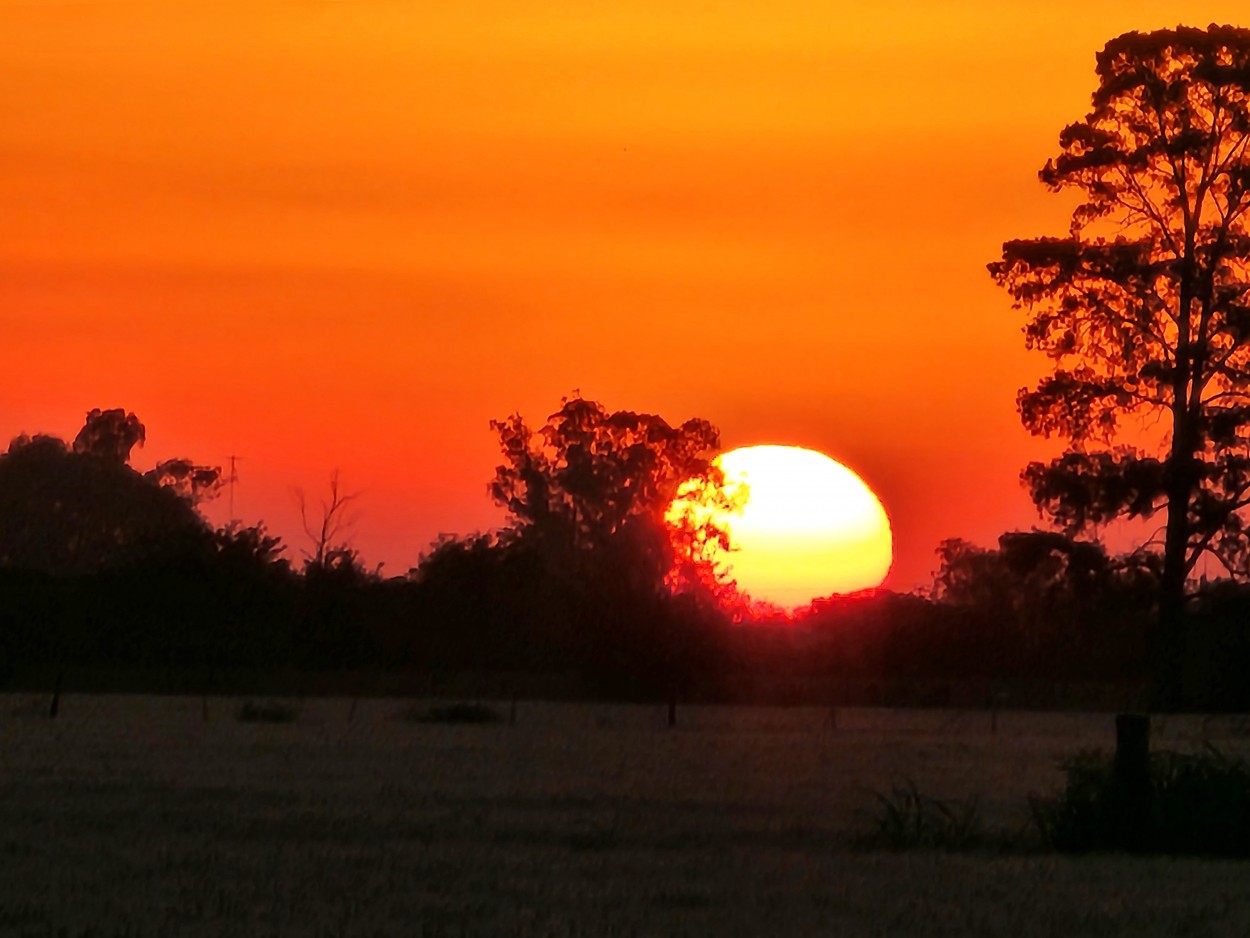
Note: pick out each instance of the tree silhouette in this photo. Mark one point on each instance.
(192, 482)
(590, 482)
(1143, 308)
(110, 435)
(1044, 603)
(329, 532)
(68, 512)
(587, 495)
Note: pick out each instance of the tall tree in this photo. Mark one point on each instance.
(592, 481)
(67, 512)
(588, 495)
(1144, 309)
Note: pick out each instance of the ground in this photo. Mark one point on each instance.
(136, 816)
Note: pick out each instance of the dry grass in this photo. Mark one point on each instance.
(131, 816)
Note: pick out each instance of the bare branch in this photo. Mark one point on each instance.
(330, 530)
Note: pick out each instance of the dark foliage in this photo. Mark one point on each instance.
(158, 589)
(331, 607)
(1199, 804)
(65, 512)
(458, 713)
(267, 711)
(908, 819)
(102, 565)
(590, 562)
(1143, 310)
(110, 435)
(1045, 604)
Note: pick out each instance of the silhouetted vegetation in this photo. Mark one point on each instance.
(908, 819)
(587, 590)
(266, 711)
(1142, 308)
(75, 512)
(1199, 803)
(457, 713)
(621, 597)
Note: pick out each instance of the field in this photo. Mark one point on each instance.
(136, 816)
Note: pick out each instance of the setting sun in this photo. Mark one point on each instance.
(808, 527)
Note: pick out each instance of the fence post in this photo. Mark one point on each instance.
(1130, 780)
(55, 706)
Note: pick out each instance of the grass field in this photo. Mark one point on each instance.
(134, 816)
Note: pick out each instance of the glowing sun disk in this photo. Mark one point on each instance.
(809, 527)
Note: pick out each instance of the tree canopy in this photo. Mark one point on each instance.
(80, 510)
(623, 590)
(1143, 306)
(590, 481)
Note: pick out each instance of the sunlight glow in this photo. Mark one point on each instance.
(808, 528)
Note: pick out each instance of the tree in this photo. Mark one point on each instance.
(1144, 310)
(1049, 563)
(485, 601)
(590, 482)
(329, 534)
(194, 483)
(110, 435)
(1047, 604)
(587, 495)
(73, 512)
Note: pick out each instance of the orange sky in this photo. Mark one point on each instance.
(346, 235)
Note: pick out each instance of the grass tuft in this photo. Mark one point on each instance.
(907, 818)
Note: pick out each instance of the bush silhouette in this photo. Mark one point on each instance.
(471, 713)
(1200, 805)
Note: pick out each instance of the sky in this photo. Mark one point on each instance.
(343, 236)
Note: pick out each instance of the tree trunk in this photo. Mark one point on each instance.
(1168, 650)
(1168, 645)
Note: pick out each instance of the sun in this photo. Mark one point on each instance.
(808, 528)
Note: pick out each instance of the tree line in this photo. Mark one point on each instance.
(1142, 309)
(104, 566)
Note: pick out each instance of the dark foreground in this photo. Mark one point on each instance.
(135, 816)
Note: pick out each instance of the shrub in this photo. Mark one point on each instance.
(1199, 804)
(456, 713)
(267, 711)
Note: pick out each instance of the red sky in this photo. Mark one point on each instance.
(345, 235)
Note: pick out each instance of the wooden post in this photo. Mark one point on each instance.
(210, 683)
(998, 697)
(672, 708)
(1130, 780)
(55, 707)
